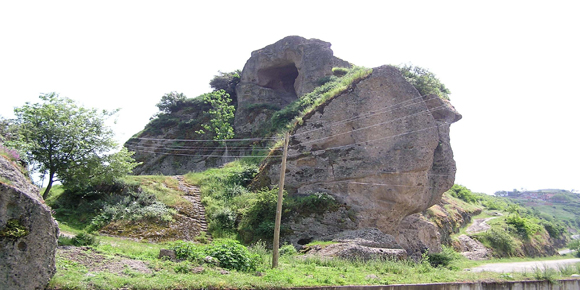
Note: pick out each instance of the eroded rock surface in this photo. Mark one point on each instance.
(28, 233)
(381, 148)
(278, 74)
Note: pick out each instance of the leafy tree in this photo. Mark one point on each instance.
(69, 143)
(424, 81)
(227, 81)
(7, 129)
(222, 115)
(171, 102)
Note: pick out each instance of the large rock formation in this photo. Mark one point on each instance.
(278, 74)
(381, 148)
(28, 233)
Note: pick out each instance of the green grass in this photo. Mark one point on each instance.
(293, 271)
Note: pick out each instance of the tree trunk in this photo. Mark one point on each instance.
(48, 187)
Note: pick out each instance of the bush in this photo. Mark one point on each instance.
(339, 71)
(230, 254)
(84, 239)
(225, 218)
(287, 250)
(524, 226)
(424, 81)
(443, 258)
(171, 102)
(499, 240)
(463, 193)
(132, 205)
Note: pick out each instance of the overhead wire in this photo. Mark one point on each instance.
(371, 126)
(369, 114)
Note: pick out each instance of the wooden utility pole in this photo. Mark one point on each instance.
(276, 246)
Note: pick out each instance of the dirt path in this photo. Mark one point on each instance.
(524, 266)
(479, 225)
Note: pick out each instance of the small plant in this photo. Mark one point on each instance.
(230, 254)
(499, 240)
(84, 239)
(287, 250)
(443, 258)
(10, 153)
(13, 230)
(201, 238)
(339, 71)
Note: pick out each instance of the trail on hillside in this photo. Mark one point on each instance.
(193, 195)
(479, 225)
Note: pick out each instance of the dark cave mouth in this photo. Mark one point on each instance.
(279, 78)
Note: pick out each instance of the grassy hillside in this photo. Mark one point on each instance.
(516, 230)
(559, 204)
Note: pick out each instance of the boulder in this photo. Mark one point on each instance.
(28, 233)
(278, 74)
(354, 251)
(381, 148)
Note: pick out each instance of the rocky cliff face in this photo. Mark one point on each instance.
(381, 148)
(28, 233)
(278, 74)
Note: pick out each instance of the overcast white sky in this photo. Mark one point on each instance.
(512, 66)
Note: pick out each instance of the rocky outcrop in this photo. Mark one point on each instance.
(417, 235)
(361, 244)
(28, 233)
(472, 249)
(381, 148)
(278, 74)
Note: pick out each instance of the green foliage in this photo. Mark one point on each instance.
(318, 202)
(499, 240)
(230, 254)
(287, 250)
(463, 193)
(226, 81)
(222, 115)
(95, 170)
(424, 81)
(84, 239)
(526, 227)
(443, 258)
(64, 140)
(13, 229)
(171, 102)
(131, 205)
(332, 87)
(339, 71)
(258, 220)
(555, 229)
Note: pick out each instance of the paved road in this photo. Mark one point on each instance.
(524, 266)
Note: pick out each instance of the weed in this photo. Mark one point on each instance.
(13, 229)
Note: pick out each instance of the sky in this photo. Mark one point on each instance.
(512, 66)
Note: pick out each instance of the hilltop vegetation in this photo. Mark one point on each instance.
(515, 230)
(559, 204)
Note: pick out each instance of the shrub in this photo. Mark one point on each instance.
(84, 239)
(424, 81)
(171, 102)
(224, 218)
(230, 254)
(287, 250)
(339, 71)
(499, 240)
(463, 193)
(443, 258)
(524, 226)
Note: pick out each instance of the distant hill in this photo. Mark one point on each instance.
(560, 204)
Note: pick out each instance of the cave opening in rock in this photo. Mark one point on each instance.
(281, 79)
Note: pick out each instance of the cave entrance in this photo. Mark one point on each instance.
(281, 79)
